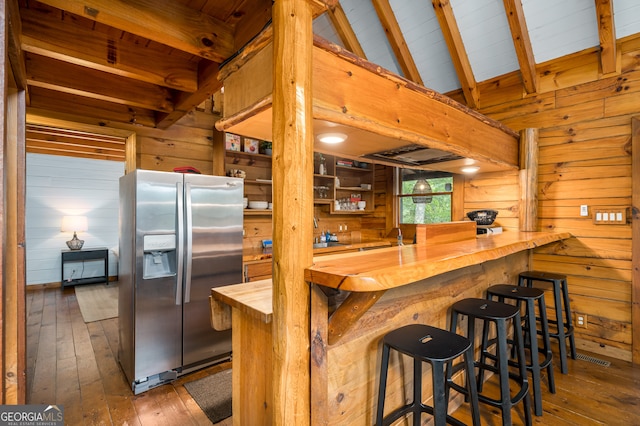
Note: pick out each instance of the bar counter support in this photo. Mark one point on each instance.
(344, 371)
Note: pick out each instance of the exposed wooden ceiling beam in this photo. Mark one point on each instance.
(345, 30)
(184, 102)
(607, 34)
(63, 39)
(522, 44)
(461, 63)
(194, 32)
(396, 40)
(64, 77)
(249, 18)
(50, 103)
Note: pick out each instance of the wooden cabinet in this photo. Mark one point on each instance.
(258, 270)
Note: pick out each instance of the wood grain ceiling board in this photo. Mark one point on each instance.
(159, 46)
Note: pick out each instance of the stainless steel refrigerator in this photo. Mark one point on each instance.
(180, 235)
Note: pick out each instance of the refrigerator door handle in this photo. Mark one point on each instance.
(188, 248)
(180, 238)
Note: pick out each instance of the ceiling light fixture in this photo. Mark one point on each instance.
(470, 169)
(420, 191)
(332, 137)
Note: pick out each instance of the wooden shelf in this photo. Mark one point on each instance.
(352, 188)
(365, 211)
(242, 154)
(257, 182)
(357, 169)
(257, 212)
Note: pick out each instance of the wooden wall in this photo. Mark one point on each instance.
(186, 143)
(585, 158)
(498, 191)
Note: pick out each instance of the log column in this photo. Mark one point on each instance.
(292, 208)
(528, 180)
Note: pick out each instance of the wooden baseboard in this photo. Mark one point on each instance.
(45, 286)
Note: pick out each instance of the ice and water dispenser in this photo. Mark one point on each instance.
(159, 256)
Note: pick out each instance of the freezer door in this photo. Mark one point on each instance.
(158, 289)
(213, 257)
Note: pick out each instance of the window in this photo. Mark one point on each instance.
(432, 208)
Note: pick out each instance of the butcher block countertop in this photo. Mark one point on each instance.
(386, 268)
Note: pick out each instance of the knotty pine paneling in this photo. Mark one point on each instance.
(584, 158)
(497, 191)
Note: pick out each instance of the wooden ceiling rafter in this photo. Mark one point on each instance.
(195, 32)
(68, 41)
(397, 41)
(607, 35)
(99, 112)
(522, 44)
(184, 102)
(345, 31)
(70, 78)
(458, 53)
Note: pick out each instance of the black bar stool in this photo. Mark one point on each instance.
(563, 321)
(529, 296)
(490, 311)
(439, 348)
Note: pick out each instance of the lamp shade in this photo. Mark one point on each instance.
(74, 223)
(421, 192)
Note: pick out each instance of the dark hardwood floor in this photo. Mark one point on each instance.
(75, 364)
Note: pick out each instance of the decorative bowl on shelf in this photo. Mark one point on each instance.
(258, 205)
(483, 217)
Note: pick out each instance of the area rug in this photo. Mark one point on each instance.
(97, 301)
(213, 395)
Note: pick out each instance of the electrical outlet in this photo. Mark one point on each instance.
(581, 320)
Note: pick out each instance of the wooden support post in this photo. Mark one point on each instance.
(292, 208)
(528, 180)
(635, 240)
(218, 154)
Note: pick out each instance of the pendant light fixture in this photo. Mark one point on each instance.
(421, 192)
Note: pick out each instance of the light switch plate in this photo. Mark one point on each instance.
(610, 215)
(584, 210)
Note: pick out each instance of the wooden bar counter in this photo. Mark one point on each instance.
(355, 299)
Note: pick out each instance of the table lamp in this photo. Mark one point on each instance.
(74, 224)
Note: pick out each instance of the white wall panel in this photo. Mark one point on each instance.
(365, 23)
(323, 26)
(486, 36)
(626, 15)
(559, 28)
(59, 186)
(423, 35)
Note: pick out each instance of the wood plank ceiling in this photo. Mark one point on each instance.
(149, 63)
